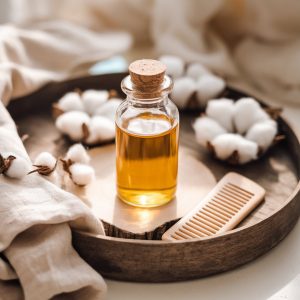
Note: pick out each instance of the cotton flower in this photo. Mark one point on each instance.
(73, 123)
(263, 133)
(14, 166)
(247, 113)
(208, 87)
(226, 144)
(206, 130)
(45, 163)
(70, 101)
(222, 110)
(196, 70)
(235, 132)
(75, 164)
(78, 154)
(109, 108)
(92, 99)
(81, 174)
(183, 89)
(101, 129)
(174, 64)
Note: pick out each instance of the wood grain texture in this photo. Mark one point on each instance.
(147, 73)
(157, 261)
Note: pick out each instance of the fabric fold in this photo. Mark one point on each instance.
(45, 51)
(35, 234)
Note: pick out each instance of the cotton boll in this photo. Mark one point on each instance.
(174, 64)
(208, 87)
(109, 108)
(82, 174)
(18, 166)
(196, 70)
(71, 101)
(206, 130)
(225, 144)
(78, 154)
(70, 123)
(92, 99)
(247, 150)
(183, 89)
(45, 159)
(222, 110)
(101, 129)
(263, 133)
(248, 112)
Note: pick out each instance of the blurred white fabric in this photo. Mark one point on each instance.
(33, 55)
(257, 42)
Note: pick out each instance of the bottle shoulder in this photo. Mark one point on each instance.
(147, 116)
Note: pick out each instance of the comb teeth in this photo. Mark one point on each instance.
(231, 200)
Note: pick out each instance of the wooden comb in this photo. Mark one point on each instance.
(229, 202)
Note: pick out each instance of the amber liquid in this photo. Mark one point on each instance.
(147, 160)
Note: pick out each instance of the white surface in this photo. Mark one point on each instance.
(273, 276)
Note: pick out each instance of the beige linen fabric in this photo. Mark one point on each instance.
(44, 51)
(35, 234)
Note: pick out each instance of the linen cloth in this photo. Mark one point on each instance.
(35, 234)
(35, 53)
(37, 260)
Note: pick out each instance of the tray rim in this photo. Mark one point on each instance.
(98, 250)
(281, 120)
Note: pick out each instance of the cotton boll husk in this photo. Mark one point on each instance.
(196, 70)
(45, 159)
(70, 123)
(247, 112)
(208, 87)
(263, 133)
(101, 129)
(225, 144)
(71, 101)
(222, 110)
(78, 154)
(174, 64)
(19, 167)
(183, 89)
(207, 129)
(92, 99)
(109, 108)
(82, 174)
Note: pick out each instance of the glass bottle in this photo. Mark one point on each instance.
(147, 125)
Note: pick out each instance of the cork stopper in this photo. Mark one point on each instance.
(147, 75)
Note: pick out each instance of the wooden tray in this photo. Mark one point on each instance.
(132, 251)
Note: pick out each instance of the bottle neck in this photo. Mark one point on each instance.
(154, 102)
(143, 97)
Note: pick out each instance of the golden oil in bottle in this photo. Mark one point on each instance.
(147, 125)
(147, 164)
